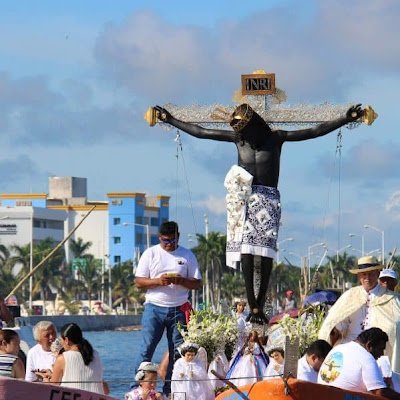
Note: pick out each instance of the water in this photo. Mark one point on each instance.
(117, 351)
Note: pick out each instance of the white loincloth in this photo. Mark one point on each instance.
(253, 216)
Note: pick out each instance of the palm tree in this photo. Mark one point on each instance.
(339, 266)
(284, 277)
(232, 285)
(4, 253)
(49, 278)
(7, 278)
(210, 253)
(90, 275)
(79, 247)
(124, 290)
(21, 258)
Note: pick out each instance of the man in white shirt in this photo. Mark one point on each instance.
(353, 366)
(309, 365)
(362, 307)
(167, 272)
(40, 357)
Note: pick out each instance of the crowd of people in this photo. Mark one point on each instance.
(364, 318)
(68, 360)
(357, 348)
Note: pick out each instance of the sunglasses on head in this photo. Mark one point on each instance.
(168, 241)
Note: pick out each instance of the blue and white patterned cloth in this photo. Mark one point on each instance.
(259, 231)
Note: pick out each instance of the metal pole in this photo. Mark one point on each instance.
(309, 258)
(278, 246)
(383, 239)
(31, 263)
(362, 242)
(148, 235)
(102, 280)
(207, 280)
(109, 287)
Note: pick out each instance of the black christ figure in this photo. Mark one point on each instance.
(259, 149)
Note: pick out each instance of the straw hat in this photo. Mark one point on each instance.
(366, 264)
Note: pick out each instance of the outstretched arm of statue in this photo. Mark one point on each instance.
(352, 115)
(193, 129)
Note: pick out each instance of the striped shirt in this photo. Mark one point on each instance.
(6, 364)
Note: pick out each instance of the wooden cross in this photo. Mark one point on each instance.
(268, 106)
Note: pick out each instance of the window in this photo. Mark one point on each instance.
(23, 203)
(117, 221)
(51, 224)
(139, 238)
(116, 202)
(48, 224)
(154, 221)
(117, 239)
(117, 259)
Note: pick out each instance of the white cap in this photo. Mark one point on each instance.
(388, 273)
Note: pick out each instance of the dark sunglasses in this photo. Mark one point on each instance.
(168, 241)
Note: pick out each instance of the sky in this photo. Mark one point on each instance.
(77, 76)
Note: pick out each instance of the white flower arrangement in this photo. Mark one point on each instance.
(305, 327)
(215, 332)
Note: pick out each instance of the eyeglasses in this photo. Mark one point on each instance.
(168, 241)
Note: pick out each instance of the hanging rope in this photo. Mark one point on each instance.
(179, 150)
(178, 146)
(339, 156)
(337, 160)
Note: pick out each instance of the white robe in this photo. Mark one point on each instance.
(190, 381)
(220, 365)
(384, 313)
(247, 368)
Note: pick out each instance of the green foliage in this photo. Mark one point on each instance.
(7, 279)
(124, 290)
(79, 248)
(305, 327)
(284, 277)
(232, 286)
(214, 332)
(210, 253)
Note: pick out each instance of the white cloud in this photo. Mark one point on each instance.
(21, 169)
(331, 49)
(216, 205)
(393, 204)
(367, 160)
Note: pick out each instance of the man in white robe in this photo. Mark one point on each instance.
(366, 306)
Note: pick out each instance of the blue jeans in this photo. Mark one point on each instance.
(155, 320)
